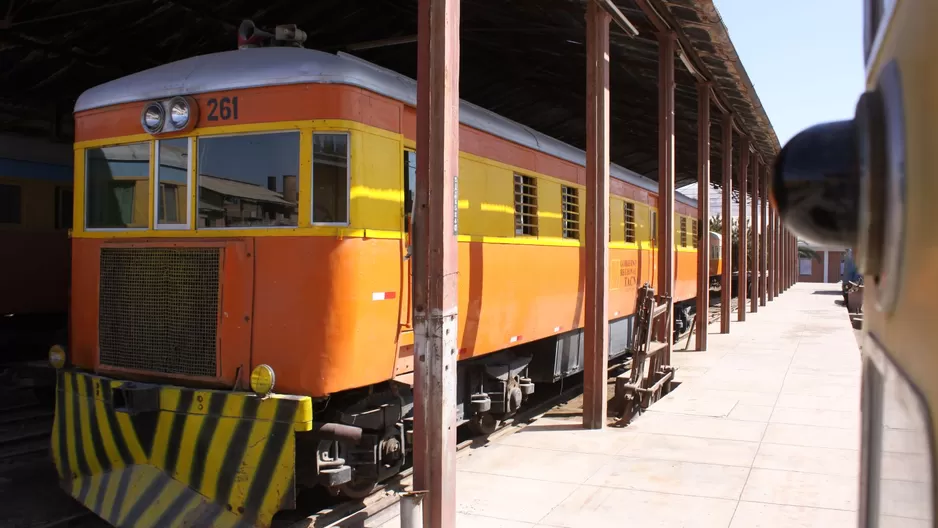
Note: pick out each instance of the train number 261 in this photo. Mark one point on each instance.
(225, 109)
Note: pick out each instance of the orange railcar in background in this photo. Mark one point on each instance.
(257, 229)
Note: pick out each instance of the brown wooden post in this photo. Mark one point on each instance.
(666, 51)
(596, 338)
(742, 279)
(726, 288)
(703, 213)
(756, 261)
(778, 254)
(763, 236)
(435, 259)
(786, 250)
(795, 260)
(773, 247)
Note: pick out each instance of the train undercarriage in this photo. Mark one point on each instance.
(365, 436)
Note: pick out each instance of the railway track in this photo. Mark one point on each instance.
(29, 491)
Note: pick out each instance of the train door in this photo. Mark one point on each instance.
(410, 184)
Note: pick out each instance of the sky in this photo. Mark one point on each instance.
(804, 57)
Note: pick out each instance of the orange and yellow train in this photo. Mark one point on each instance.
(241, 219)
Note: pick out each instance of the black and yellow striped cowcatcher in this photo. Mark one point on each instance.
(178, 457)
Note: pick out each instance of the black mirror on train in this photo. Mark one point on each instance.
(816, 185)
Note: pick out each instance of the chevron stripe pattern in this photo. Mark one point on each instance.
(203, 458)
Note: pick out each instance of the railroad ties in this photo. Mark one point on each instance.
(649, 378)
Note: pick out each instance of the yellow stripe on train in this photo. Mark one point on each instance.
(141, 455)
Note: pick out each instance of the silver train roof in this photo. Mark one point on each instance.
(257, 67)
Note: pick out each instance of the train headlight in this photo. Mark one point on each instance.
(57, 356)
(152, 118)
(179, 112)
(262, 380)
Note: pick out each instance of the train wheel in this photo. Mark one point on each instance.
(483, 424)
(358, 489)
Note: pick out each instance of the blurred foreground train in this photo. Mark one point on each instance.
(241, 220)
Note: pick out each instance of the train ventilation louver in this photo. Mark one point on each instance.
(158, 309)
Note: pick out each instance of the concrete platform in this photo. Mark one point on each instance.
(762, 432)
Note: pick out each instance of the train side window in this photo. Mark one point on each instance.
(236, 188)
(525, 205)
(10, 204)
(629, 213)
(117, 187)
(683, 232)
(570, 207)
(173, 177)
(331, 178)
(64, 200)
(695, 233)
(410, 186)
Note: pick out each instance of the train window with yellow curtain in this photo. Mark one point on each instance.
(525, 205)
(683, 232)
(117, 187)
(173, 177)
(10, 204)
(331, 178)
(571, 212)
(249, 180)
(629, 222)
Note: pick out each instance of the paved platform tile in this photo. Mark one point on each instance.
(532, 463)
(760, 515)
(801, 489)
(688, 449)
(844, 462)
(670, 476)
(699, 426)
(508, 498)
(592, 507)
(812, 436)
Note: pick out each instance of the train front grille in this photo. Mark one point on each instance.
(158, 309)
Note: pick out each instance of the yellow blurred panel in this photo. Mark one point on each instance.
(549, 216)
(486, 199)
(376, 193)
(616, 220)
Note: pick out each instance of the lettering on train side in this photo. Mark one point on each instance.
(628, 270)
(225, 109)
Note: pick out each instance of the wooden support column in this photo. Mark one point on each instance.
(770, 260)
(786, 251)
(435, 259)
(778, 254)
(756, 265)
(666, 52)
(726, 288)
(795, 260)
(763, 236)
(596, 330)
(703, 213)
(742, 279)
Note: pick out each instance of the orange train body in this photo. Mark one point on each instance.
(312, 313)
(308, 308)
